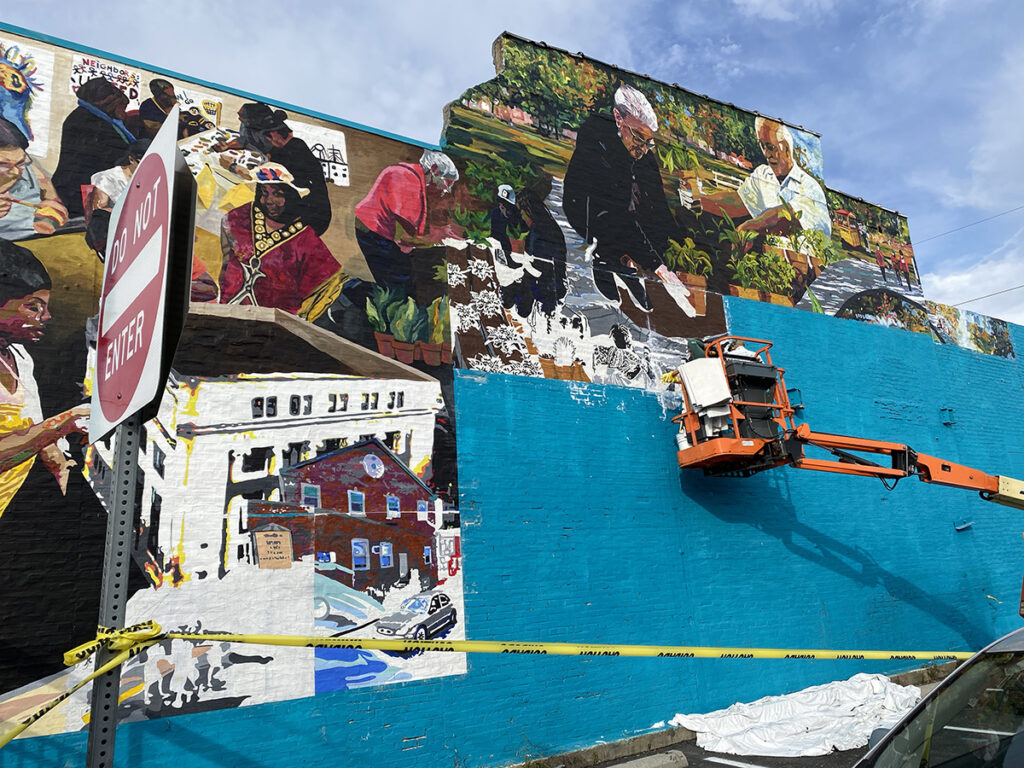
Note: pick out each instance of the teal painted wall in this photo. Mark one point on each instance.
(578, 527)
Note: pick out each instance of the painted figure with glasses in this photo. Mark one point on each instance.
(29, 204)
(614, 195)
(404, 213)
(779, 197)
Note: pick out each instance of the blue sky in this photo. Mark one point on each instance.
(919, 102)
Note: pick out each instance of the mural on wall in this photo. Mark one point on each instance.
(581, 223)
(313, 371)
(26, 75)
(656, 191)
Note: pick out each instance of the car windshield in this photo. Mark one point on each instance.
(415, 605)
(975, 721)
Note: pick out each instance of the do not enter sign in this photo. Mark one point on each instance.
(127, 376)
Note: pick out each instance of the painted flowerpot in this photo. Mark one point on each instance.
(579, 373)
(384, 343)
(698, 286)
(405, 351)
(446, 353)
(563, 372)
(547, 365)
(429, 353)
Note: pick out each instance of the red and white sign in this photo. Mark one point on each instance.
(132, 304)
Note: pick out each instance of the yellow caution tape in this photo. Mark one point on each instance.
(565, 649)
(133, 640)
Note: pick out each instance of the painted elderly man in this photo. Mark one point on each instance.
(393, 220)
(780, 197)
(614, 195)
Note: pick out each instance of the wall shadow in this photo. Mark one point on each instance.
(776, 516)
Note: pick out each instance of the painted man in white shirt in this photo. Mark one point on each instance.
(780, 197)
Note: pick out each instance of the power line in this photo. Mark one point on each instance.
(979, 298)
(965, 226)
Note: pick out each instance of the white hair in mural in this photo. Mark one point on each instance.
(438, 164)
(628, 100)
(782, 132)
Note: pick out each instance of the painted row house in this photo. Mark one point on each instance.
(225, 431)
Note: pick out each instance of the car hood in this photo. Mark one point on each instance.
(400, 619)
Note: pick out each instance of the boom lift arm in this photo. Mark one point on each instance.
(737, 420)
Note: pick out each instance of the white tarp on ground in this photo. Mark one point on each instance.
(814, 721)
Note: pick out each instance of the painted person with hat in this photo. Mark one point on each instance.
(265, 131)
(504, 215)
(271, 257)
(93, 138)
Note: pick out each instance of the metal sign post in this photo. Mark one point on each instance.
(114, 590)
(142, 310)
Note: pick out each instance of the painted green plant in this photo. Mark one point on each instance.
(409, 322)
(476, 224)
(382, 305)
(440, 324)
(484, 177)
(678, 158)
(686, 257)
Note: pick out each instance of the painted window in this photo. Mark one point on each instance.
(401, 399)
(428, 555)
(366, 401)
(391, 400)
(310, 495)
(307, 405)
(271, 407)
(356, 503)
(257, 407)
(257, 460)
(394, 507)
(374, 401)
(393, 440)
(386, 560)
(332, 403)
(294, 405)
(342, 402)
(360, 555)
(422, 506)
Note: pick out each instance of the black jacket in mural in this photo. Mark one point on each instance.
(618, 200)
(315, 208)
(88, 145)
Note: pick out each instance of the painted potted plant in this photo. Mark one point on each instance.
(693, 266)
(408, 326)
(517, 238)
(438, 334)
(381, 305)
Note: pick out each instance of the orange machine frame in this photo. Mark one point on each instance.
(731, 453)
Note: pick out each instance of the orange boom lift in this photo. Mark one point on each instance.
(737, 420)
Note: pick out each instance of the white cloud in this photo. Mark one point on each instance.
(1002, 269)
(784, 10)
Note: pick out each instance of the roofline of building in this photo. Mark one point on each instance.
(292, 108)
(580, 55)
(363, 444)
(866, 202)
